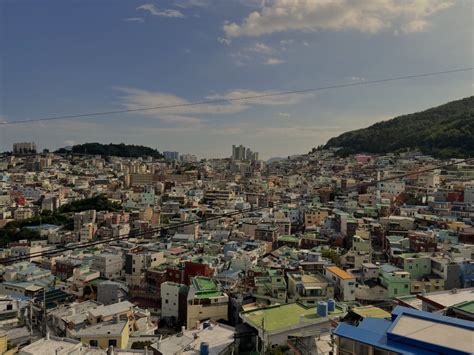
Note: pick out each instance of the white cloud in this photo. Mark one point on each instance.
(274, 61)
(3, 119)
(182, 111)
(261, 48)
(152, 9)
(179, 119)
(134, 19)
(184, 4)
(362, 15)
(356, 78)
(223, 40)
(284, 114)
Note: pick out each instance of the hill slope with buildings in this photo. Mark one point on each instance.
(443, 131)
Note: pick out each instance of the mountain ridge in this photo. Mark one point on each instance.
(444, 131)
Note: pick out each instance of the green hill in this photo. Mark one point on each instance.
(445, 131)
(118, 150)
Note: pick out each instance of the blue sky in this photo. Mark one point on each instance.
(76, 56)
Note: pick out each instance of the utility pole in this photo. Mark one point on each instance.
(44, 313)
(30, 316)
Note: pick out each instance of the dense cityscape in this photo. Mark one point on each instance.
(307, 254)
(236, 177)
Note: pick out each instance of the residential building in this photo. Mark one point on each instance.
(24, 148)
(271, 288)
(105, 334)
(109, 265)
(291, 323)
(308, 288)
(205, 301)
(344, 282)
(170, 299)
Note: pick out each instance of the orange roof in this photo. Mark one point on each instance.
(340, 273)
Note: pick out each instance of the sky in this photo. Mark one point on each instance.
(61, 57)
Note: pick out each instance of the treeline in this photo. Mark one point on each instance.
(446, 131)
(118, 150)
(98, 202)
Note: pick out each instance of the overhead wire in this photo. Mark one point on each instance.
(235, 99)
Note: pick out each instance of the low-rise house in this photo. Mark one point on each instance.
(308, 288)
(270, 288)
(54, 345)
(70, 317)
(396, 282)
(171, 294)
(105, 334)
(278, 325)
(109, 265)
(109, 292)
(137, 261)
(344, 282)
(217, 339)
(205, 301)
(359, 253)
(435, 301)
(81, 283)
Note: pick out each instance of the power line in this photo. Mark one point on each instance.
(202, 220)
(249, 97)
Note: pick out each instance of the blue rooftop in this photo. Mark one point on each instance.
(413, 332)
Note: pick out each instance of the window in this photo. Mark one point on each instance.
(93, 343)
(346, 344)
(361, 349)
(166, 301)
(113, 342)
(406, 286)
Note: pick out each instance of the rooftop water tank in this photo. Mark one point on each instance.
(322, 309)
(331, 305)
(204, 350)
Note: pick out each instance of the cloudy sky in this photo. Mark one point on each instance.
(63, 57)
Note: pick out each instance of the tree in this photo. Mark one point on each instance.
(332, 255)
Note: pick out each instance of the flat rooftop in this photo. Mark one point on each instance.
(446, 335)
(450, 298)
(50, 346)
(371, 311)
(283, 316)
